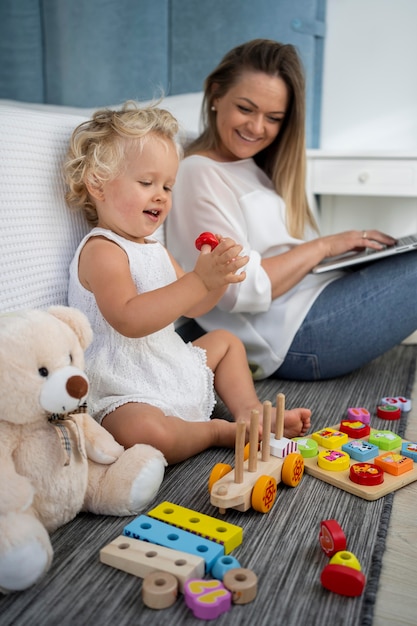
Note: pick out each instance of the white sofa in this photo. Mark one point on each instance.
(38, 233)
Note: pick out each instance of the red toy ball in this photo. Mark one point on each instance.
(206, 239)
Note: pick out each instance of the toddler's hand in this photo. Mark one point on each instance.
(219, 267)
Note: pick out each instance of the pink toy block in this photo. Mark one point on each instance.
(207, 599)
(359, 413)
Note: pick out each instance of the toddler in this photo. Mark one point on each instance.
(146, 384)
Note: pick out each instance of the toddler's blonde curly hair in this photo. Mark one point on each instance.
(98, 148)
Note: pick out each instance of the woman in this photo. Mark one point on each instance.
(244, 178)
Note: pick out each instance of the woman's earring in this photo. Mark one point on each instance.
(212, 108)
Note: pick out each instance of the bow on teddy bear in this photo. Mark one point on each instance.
(55, 460)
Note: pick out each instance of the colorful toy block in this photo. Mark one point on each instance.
(332, 538)
(222, 565)
(348, 559)
(359, 413)
(409, 448)
(307, 447)
(367, 474)
(207, 599)
(354, 429)
(343, 580)
(150, 529)
(394, 463)
(404, 404)
(282, 447)
(385, 439)
(140, 558)
(361, 450)
(333, 460)
(243, 584)
(388, 412)
(228, 535)
(159, 590)
(330, 438)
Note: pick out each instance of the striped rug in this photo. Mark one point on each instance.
(281, 547)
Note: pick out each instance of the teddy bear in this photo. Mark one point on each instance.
(55, 459)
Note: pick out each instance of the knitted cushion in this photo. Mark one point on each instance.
(38, 234)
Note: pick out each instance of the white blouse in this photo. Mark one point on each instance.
(237, 199)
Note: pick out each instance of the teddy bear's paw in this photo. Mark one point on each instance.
(126, 486)
(22, 566)
(146, 485)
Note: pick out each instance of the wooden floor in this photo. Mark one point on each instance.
(397, 594)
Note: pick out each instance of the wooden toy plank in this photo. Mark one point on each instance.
(150, 529)
(141, 558)
(342, 480)
(228, 535)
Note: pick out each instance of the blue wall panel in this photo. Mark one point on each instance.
(90, 53)
(100, 53)
(200, 38)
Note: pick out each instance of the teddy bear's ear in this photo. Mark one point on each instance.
(76, 320)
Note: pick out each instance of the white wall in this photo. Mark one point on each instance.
(370, 75)
(370, 102)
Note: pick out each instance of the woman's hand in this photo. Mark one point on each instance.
(218, 267)
(354, 240)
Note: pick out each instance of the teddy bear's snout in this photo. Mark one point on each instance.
(77, 387)
(64, 390)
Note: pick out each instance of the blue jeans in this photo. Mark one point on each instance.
(355, 319)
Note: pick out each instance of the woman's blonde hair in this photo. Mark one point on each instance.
(98, 148)
(284, 161)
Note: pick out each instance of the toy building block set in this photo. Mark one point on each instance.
(364, 460)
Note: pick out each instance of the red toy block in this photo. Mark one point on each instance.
(367, 474)
(388, 412)
(343, 580)
(332, 538)
(355, 429)
(206, 239)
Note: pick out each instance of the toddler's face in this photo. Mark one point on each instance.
(137, 202)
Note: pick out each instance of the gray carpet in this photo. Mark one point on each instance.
(281, 547)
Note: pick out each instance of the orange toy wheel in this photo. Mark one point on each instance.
(292, 469)
(264, 494)
(218, 471)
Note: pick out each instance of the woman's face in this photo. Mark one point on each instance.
(249, 116)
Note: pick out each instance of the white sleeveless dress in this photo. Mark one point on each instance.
(159, 369)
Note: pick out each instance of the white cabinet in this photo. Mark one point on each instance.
(364, 190)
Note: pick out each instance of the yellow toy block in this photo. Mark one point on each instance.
(228, 535)
(330, 438)
(333, 460)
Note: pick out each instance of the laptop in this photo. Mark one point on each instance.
(403, 244)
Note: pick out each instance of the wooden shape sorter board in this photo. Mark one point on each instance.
(342, 481)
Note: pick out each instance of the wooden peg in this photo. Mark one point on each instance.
(253, 440)
(279, 422)
(239, 451)
(266, 430)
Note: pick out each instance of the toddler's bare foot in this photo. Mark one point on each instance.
(296, 422)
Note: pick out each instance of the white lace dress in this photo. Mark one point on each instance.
(159, 369)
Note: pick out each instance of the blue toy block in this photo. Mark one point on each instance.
(222, 565)
(228, 535)
(409, 448)
(361, 450)
(152, 530)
